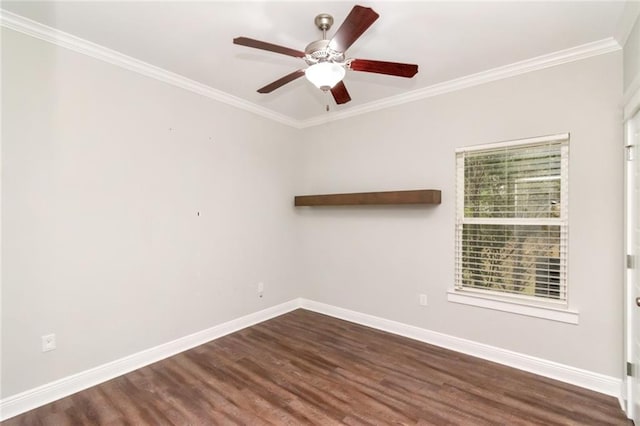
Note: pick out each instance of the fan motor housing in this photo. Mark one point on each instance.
(319, 51)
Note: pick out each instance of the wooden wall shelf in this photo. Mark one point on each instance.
(420, 196)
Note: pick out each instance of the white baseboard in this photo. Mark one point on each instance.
(622, 395)
(33, 398)
(576, 376)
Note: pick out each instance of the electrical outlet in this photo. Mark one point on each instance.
(48, 342)
(423, 300)
(260, 289)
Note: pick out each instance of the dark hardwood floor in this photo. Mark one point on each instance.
(307, 368)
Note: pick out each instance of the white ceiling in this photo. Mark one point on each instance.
(448, 40)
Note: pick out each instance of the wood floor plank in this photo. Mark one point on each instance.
(306, 368)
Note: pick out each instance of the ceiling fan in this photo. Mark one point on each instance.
(326, 60)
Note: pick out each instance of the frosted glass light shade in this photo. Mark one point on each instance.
(325, 75)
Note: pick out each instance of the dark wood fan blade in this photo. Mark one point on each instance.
(340, 93)
(381, 67)
(357, 22)
(281, 82)
(257, 44)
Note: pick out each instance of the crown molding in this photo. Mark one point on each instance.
(77, 44)
(68, 41)
(534, 64)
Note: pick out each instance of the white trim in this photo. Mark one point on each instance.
(577, 53)
(516, 142)
(79, 45)
(565, 373)
(537, 311)
(534, 306)
(632, 104)
(632, 107)
(71, 42)
(33, 398)
(512, 298)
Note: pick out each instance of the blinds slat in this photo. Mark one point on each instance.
(511, 232)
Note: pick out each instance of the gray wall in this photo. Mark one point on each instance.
(103, 173)
(377, 260)
(632, 57)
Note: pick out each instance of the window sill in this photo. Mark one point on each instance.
(550, 313)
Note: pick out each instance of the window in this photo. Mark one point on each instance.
(511, 221)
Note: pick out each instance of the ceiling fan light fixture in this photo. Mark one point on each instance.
(326, 60)
(325, 75)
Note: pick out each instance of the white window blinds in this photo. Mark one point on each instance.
(511, 218)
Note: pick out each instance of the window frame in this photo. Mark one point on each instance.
(530, 305)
